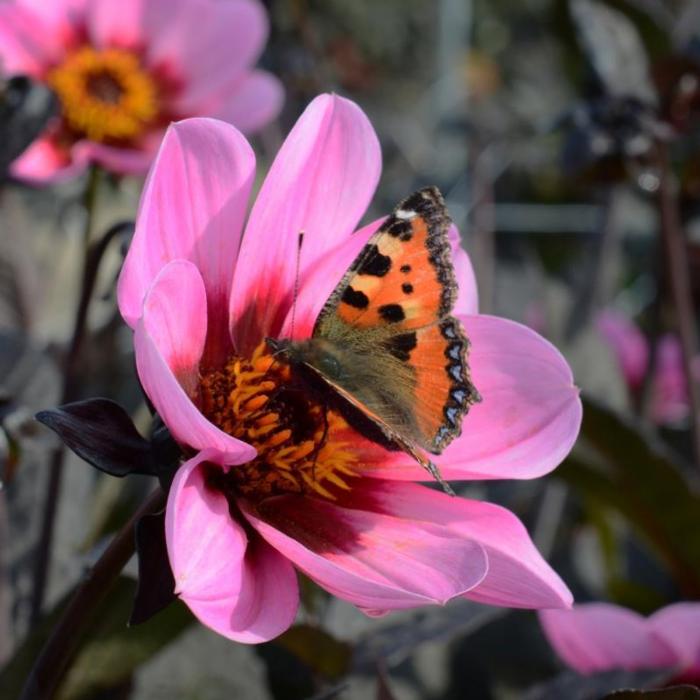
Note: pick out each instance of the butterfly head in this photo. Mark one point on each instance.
(320, 355)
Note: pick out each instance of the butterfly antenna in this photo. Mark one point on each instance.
(300, 242)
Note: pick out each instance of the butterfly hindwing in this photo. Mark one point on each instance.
(443, 388)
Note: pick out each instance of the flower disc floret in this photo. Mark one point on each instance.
(300, 443)
(105, 96)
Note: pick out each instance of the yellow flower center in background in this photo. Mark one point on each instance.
(302, 446)
(105, 95)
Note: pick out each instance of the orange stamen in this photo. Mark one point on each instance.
(301, 446)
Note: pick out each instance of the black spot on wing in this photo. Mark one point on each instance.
(407, 288)
(374, 263)
(399, 228)
(401, 345)
(405, 269)
(392, 313)
(357, 300)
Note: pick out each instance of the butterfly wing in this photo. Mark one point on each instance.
(405, 357)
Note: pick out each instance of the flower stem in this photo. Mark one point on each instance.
(54, 659)
(679, 281)
(91, 260)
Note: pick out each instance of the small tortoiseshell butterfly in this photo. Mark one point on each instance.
(385, 344)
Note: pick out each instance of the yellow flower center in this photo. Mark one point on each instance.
(302, 446)
(105, 95)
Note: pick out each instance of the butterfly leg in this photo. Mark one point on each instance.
(435, 473)
(427, 464)
(322, 441)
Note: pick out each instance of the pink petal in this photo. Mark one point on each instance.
(679, 626)
(375, 561)
(229, 39)
(518, 576)
(320, 183)
(599, 637)
(175, 318)
(468, 297)
(241, 589)
(122, 161)
(64, 19)
(43, 162)
(187, 425)
(27, 46)
(192, 207)
(250, 103)
(320, 281)
(205, 544)
(266, 605)
(529, 417)
(530, 414)
(627, 342)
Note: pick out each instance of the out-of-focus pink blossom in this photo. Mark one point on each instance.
(627, 342)
(596, 637)
(270, 486)
(124, 70)
(669, 401)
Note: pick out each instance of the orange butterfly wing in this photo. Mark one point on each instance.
(394, 305)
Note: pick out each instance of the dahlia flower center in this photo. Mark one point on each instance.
(105, 95)
(302, 446)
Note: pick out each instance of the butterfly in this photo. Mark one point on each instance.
(385, 351)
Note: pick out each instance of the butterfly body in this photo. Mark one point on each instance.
(385, 350)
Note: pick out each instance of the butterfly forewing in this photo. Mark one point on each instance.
(403, 277)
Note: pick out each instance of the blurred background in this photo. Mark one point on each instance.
(565, 139)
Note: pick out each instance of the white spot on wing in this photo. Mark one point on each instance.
(406, 214)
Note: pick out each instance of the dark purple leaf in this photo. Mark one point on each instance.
(102, 433)
(156, 583)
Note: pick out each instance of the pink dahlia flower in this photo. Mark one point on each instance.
(596, 637)
(268, 488)
(124, 70)
(670, 402)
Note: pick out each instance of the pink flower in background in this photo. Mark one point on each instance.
(596, 637)
(268, 487)
(122, 71)
(627, 343)
(670, 403)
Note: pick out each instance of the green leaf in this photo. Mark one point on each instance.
(623, 466)
(321, 652)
